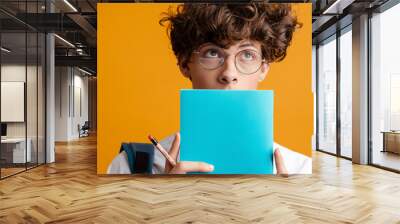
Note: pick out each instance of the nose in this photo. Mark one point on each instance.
(229, 74)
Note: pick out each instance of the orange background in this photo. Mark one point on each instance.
(139, 81)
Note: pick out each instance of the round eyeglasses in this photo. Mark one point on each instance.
(247, 61)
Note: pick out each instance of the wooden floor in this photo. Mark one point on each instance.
(5, 172)
(10, 171)
(69, 191)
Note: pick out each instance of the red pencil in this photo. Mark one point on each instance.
(162, 150)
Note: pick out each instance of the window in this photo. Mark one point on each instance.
(346, 93)
(22, 65)
(385, 89)
(327, 95)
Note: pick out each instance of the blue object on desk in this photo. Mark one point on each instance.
(231, 129)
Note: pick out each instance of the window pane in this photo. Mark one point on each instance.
(327, 96)
(14, 150)
(22, 89)
(41, 98)
(346, 93)
(31, 100)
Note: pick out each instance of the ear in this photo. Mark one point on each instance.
(264, 72)
(184, 70)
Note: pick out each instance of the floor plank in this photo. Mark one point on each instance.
(70, 191)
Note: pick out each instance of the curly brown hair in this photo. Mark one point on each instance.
(193, 24)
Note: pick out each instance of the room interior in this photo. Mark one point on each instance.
(49, 93)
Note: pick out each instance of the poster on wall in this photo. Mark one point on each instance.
(12, 101)
(203, 88)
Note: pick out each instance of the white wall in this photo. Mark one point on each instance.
(71, 87)
(33, 127)
(16, 73)
(61, 103)
(80, 84)
(11, 73)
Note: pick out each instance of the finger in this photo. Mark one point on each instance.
(188, 166)
(280, 164)
(173, 152)
(175, 146)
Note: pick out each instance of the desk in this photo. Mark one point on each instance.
(391, 141)
(13, 150)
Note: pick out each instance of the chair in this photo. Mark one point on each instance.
(84, 130)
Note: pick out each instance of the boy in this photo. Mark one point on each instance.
(226, 46)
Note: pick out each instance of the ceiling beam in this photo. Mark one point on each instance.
(86, 26)
(83, 61)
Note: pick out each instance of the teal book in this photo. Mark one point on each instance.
(230, 129)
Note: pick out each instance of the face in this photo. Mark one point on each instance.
(239, 67)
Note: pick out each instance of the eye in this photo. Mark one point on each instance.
(248, 55)
(211, 53)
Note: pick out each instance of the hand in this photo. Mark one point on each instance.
(280, 164)
(183, 167)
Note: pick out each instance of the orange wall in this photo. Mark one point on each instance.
(139, 82)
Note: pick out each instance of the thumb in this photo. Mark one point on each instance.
(173, 152)
(175, 146)
(280, 164)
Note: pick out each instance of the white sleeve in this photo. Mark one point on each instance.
(295, 162)
(119, 165)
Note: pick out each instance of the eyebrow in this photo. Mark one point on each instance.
(243, 45)
(246, 45)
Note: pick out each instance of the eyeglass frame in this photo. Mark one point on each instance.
(226, 55)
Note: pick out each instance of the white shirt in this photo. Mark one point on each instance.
(295, 162)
